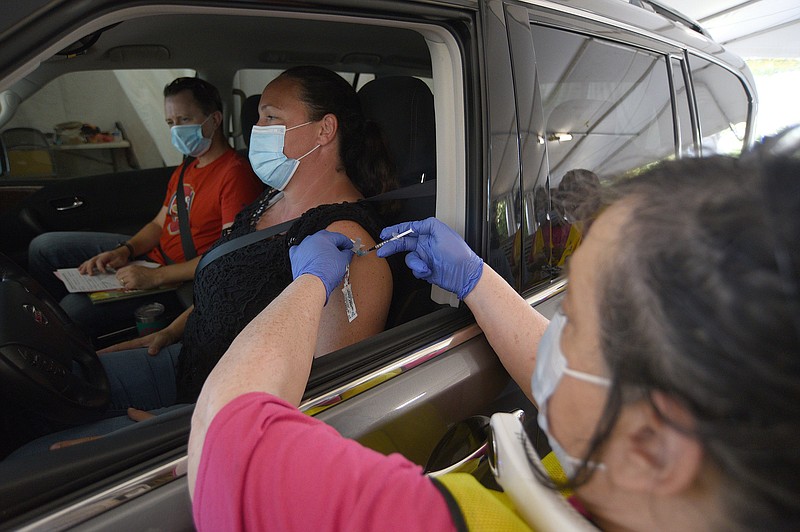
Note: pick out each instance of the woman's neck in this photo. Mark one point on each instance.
(694, 510)
(313, 189)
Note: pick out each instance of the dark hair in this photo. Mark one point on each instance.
(574, 187)
(362, 149)
(701, 302)
(204, 93)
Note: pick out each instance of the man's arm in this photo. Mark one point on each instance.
(148, 236)
(169, 274)
(143, 241)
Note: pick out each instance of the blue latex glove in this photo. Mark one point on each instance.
(323, 254)
(437, 254)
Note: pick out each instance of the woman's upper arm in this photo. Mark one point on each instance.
(371, 283)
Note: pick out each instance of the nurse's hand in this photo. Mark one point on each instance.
(437, 254)
(325, 255)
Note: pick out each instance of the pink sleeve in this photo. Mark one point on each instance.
(266, 466)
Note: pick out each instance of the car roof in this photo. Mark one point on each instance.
(186, 40)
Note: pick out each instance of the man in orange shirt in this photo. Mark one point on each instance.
(217, 183)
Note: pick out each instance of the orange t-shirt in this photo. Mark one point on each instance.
(214, 196)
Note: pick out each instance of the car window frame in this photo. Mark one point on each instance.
(105, 463)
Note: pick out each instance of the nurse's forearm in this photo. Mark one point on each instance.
(511, 325)
(272, 354)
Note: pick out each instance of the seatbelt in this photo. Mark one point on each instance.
(189, 251)
(242, 241)
(420, 190)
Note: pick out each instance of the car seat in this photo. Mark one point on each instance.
(403, 108)
(248, 117)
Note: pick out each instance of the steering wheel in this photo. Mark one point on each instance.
(46, 362)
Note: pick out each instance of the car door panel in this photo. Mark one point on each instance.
(116, 203)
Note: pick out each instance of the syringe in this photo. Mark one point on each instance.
(379, 245)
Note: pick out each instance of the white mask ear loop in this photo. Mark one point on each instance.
(298, 125)
(308, 152)
(587, 377)
(204, 123)
(551, 366)
(301, 125)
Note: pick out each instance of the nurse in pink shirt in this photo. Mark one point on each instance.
(667, 390)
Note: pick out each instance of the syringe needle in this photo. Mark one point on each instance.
(392, 239)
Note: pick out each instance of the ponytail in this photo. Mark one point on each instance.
(362, 149)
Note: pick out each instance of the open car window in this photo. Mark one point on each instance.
(130, 99)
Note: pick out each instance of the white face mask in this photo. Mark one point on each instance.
(189, 140)
(551, 366)
(267, 158)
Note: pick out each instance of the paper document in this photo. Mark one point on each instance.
(76, 282)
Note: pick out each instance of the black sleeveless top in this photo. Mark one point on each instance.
(232, 290)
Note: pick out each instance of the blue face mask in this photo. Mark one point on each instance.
(551, 366)
(189, 139)
(267, 158)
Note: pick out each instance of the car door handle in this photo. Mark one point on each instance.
(67, 204)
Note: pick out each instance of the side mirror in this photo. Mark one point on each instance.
(462, 449)
(466, 448)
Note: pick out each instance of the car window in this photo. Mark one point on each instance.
(607, 105)
(120, 126)
(722, 106)
(607, 111)
(132, 99)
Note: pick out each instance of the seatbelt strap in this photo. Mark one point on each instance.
(189, 251)
(242, 241)
(420, 190)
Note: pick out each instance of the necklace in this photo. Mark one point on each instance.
(267, 201)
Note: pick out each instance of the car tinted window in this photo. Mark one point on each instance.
(722, 106)
(608, 110)
(505, 213)
(607, 105)
(73, 124)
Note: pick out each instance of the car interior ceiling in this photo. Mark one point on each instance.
(177, 41)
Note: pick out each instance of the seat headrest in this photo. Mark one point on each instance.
(249, 116)
(403, 107)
